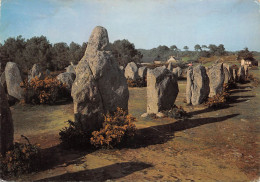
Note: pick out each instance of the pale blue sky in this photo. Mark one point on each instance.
(146, 23)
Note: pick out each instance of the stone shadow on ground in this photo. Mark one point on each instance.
(232, 100)
(162, 133)
(110, 172)
(58, 156)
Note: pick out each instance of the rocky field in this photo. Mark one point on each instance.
(212, 145)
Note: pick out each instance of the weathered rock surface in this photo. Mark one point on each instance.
(131, 71)
(13, 80)
(216, 79)
(241, 74)
(6, 123)
(246, 70)
(235, 77)
(227, 73)
(177, 71)
(170, 66)
(162, 90)
(67, 78)
(197, 89)
(71, 69)
(100, 85)
(36, 71)
(142, 72)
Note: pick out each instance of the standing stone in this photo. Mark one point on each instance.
(162, 90)
(70, 69)
(131, 71)
(216, 79)
(241, 74)
(35, 72)
(100, 85)
(227, 72)
(197, 89)
(67, 79)
(177, 71)
(6, 125)
(13, 80)
(235, 77)
(246, 70)
(142, 72)
(170, 66)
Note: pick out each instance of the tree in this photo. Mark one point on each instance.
(186, 48)
(38, 50)
(125, 52)
(60, 56)
(245, 54)
(220, 50)
(174, 47)
(204, 47)
(13, 50)
(197, 48)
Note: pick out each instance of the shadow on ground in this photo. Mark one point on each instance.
(163, 133)
(110, 172)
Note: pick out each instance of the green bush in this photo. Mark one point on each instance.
(23, 158)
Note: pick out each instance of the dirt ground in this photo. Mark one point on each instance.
(212, 145)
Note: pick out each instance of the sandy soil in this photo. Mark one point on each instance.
(212, 145)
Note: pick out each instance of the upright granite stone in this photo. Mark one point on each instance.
(197, 89)
(235, 77)
(35, 72)
(241, 74)
(170, 66)
(67, 79)
(228, 73)
(142, 72)
(70, 69)
(216, 79)
(177, 71)
(6, 123)
(162, 90)
(246, 70)
(13, 80)
(131, 71)
(100, 85)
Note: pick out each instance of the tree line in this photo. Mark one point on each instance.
(59, 55)
(163, 52)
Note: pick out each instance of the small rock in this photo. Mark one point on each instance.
(160, 115)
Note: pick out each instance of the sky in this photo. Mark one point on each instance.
(146, 23)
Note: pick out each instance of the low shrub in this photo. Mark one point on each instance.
(176, 112)
(136, 83)
(74, 136)
(23, 158)
(46, 91)
(220, 100)
(117, 129)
